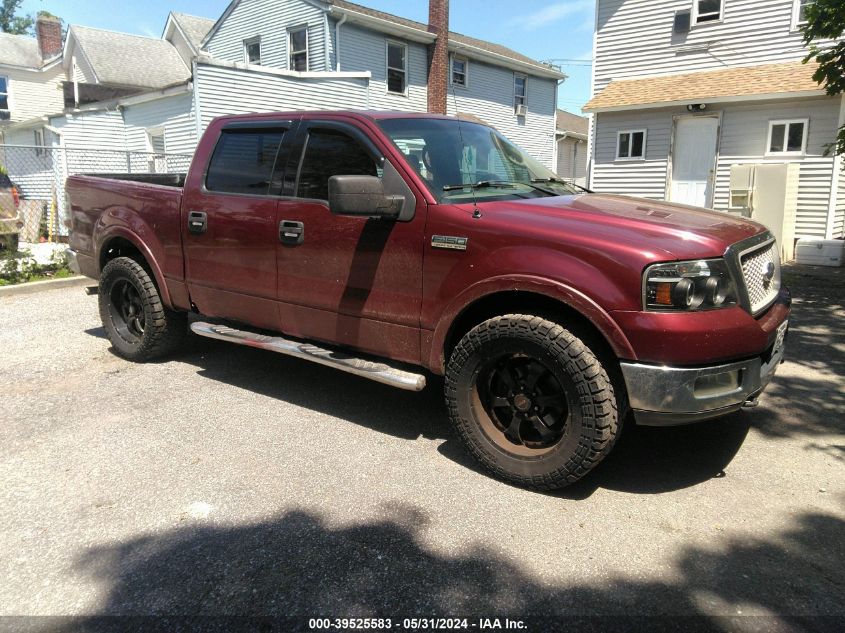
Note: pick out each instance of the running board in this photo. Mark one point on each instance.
(374, 371)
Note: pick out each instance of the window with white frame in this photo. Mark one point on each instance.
(787, 137)
(704, 11)
(298, 49)
(38, 141)
(459, 71)
(520, 93)
(252, 51)
(630, 145)
(156, 160)
(799, 12)
(4, 93)
(397, 67)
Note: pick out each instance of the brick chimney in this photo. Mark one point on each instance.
(48, 31)
(438, 56)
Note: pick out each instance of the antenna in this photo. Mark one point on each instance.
(476, 211)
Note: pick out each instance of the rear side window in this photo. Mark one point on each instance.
(331, 153)
(243, 161)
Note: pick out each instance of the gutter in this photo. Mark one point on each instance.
(279, 72)
(503, 60)
(562, 134)
(385, 26)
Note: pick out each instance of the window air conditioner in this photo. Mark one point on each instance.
(521, 109)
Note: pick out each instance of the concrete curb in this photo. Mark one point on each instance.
(50, 284)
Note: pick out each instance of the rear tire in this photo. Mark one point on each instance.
(138, 325)
(531, 402)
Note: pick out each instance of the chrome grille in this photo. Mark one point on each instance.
(756, 265)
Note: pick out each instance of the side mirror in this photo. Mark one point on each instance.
(362, 196)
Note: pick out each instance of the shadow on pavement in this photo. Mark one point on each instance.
(299, 565)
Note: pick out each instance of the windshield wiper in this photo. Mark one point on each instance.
(481, 184)
(558, 181)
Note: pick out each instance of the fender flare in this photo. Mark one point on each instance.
(568, 296)
(115, 231)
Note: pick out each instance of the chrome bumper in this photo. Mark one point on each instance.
(668, 396)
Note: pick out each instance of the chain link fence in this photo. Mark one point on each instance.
(32, 193)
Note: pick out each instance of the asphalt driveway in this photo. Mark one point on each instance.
(235, 481)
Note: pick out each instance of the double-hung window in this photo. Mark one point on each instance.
(252, 51)
(704, 11)
(298, 49)
(787, 138)
(397, 68)
(520, 93)
(459, 71)
(4, 93)
(799, 13)
(630, 145)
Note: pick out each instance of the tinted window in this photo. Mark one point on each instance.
(243, 161)
(329, 153)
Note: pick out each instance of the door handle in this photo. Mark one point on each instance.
(291, 232)
(197, 222)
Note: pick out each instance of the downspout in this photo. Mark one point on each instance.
(337, 41)
(327, 63)
(196, 86)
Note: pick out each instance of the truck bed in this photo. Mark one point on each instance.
(141, 209)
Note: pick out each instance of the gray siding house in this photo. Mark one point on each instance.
(686, 90)
(268, 55)
(572, 133)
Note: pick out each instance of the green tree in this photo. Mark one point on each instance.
(12, 23)
(826, 23)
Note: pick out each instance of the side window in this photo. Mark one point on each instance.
(252, 51)
(788, 137)
(243, 161)
(330, 153)
(4, 93)
(397, 67)
(707, 11)
(630, 145)
(298, 49)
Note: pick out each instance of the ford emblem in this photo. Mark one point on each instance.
(768, 272)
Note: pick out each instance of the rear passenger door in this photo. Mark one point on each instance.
(348, 280)
(229, 223)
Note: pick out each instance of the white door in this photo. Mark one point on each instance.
(694, 160)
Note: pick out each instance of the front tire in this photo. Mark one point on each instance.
(138, 325)
(530, 401)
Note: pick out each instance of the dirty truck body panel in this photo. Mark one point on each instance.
(254, 238)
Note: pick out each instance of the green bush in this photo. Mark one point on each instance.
(20, 267)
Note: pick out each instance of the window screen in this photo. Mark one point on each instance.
(330, 153)
(243, 161)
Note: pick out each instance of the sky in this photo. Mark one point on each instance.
(560, 32)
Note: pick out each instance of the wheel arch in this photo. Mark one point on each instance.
(565, 305)
(122, 243)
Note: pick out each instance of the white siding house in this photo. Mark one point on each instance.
(683, 90)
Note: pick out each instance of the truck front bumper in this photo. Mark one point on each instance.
(667, 396)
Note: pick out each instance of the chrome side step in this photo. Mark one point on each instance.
(374, 371)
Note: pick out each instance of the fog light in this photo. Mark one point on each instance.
(717, 384)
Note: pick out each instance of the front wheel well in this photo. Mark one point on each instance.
(521, 302)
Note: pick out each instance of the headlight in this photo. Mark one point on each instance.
(704, 284)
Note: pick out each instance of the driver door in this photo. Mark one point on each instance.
(352, 281)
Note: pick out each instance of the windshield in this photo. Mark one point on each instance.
(462, 161)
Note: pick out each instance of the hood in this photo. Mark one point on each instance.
(638, 224)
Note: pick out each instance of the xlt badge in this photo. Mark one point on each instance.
(449, 242)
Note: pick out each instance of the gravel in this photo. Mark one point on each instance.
(233, 481)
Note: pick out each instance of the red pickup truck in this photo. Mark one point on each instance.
(388, 244)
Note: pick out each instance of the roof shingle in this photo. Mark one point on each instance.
(459, 38)
(131, 60)
(194, 27)
(706, 86)
(19, 50)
